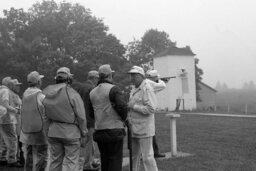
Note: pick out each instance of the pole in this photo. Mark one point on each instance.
(129, 139)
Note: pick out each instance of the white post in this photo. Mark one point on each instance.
(246, 108)
(173, 135)
(228, 108)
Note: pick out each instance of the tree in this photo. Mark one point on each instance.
(51, 35)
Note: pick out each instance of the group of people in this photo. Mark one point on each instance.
(57, 126)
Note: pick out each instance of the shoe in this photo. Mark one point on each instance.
(15, 164)
(96, 165)
(159, 155)
(3, 163)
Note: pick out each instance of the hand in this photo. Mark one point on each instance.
(83, 141)
(131, 104)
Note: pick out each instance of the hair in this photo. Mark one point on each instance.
(60, 79)
(103, 76)
(30, 84)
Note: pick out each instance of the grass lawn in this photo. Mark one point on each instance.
(218, 143)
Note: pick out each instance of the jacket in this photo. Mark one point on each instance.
(141, 116)
(106, 117)
(38, 138)
(67, 130)
(9, 100)
(84, 91)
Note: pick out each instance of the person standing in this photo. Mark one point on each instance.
(110, 113)
(87, 153)
(65, 112)
(158, 85)
(33, 120)
(142, 105)
(8, 123)
(15, 87)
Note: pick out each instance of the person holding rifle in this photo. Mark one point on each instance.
(158, 85)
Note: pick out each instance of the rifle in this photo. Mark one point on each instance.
(129, 144)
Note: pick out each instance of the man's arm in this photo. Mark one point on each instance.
(157, 86)
(149, 103)
(117, 99)
(6, 102)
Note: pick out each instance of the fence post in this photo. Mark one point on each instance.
(173, 135)
(246, 108)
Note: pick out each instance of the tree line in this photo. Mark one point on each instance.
(50, 35)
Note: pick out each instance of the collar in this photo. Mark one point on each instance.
(104, 81)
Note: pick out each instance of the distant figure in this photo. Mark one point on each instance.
(87, 153)
(142, 105)
(8, 125)
(153, 78)
(33, 119)
(110, 111)
(65, 112)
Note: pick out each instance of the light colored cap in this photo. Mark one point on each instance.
(34, 77)
(65, 71)
(137, 70)
(16, 82)
(152, 73)
(105, 69)
(93, 73)
(6, 80)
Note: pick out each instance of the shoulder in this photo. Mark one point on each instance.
(146, 86)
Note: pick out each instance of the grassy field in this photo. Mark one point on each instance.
(217, 143)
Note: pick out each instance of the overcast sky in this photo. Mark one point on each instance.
(221, 32)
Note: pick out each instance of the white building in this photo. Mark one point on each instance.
(179, 63)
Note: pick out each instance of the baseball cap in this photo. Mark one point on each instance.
(16, 82)
(137, 70)
(93, 73)
(152, 73)
(64, 71)
(6, 80)
(105, 69)
(34, 77)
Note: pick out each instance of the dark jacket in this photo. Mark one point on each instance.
(84, 90)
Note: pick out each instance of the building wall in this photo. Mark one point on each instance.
(208, 98)
(169, 66)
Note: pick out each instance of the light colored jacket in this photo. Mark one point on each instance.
(157, 86)
(9, 100)
(142, 115)
(67, 130)
(105, 115)
(40, 137)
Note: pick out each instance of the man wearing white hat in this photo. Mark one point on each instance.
(153, 78)
(142, 105)
(33, 120)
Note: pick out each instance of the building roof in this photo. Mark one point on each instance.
(207, 86)
(175, 51)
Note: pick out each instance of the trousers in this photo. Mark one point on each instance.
(9, 141)
(143, 147)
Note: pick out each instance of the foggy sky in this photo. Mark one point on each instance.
(220, 32)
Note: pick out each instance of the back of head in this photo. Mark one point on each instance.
(63, 75)
(6, 81)
(34, 78)
(105, 71)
